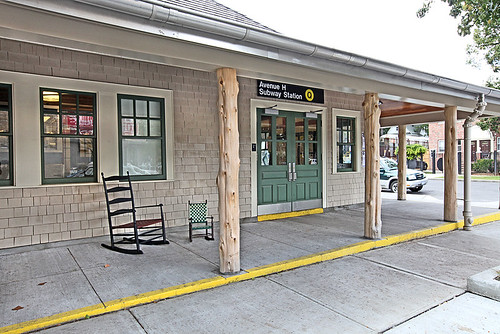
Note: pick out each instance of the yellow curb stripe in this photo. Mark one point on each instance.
(53, 320)
(283, 215)
(209, 283)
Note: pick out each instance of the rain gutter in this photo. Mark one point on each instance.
(276, 46)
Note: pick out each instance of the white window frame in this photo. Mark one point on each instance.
(439, 146)
(358, 146)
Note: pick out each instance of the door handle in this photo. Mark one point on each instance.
(290, 173)
(294, 173)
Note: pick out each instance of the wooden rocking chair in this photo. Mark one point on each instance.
(122, 215)
(199, 220)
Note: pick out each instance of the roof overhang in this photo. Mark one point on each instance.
(151, 31)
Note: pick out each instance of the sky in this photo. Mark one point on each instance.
(387, 30)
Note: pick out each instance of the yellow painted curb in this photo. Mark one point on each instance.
(209, 283)
(275, 216)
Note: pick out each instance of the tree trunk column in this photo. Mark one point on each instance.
(450, 164)
(229, 166)
(373, 199)
(402, 163)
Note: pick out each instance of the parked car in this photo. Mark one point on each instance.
(415, 180)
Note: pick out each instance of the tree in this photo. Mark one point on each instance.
(413, 151)
(481, 18)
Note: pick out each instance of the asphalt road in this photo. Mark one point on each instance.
(485, 194)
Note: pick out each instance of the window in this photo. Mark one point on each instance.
(498, 143)
(441, 145)
(142, 137)
(68, 136)
(346, 143)
(5, 135)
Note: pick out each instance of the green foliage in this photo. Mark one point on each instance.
(483, 166)
(413, 151)
(418, 128)
(481, 18)
(492, 124)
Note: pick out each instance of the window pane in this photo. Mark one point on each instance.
(154, 109)
(51, 101)
(128, 128)
(266, 154)
(155, 128)
(141, 156)
(312, 129)
(265, 127)
(127, 107)
(300, 154)
(51, 124)
(313, 153)
(4, 97)
(4, 158)
(86, 125)
(69, 124)
(4, 121)
(141, 108)
(68, 102)
(344, 157)
(86, 103)
(281, 153)
(68, 158)
(299, 129)
(142, 127)
(281, 128)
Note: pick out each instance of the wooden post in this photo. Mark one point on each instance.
(402, 163)
(373, 199)
(229, 166)
(450, 164)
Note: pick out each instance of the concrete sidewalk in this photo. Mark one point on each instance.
(66, 281)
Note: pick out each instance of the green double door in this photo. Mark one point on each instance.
(289, 167)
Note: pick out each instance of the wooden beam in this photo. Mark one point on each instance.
(450, 164)
(373, 199)
(402, 163)
(229, 166)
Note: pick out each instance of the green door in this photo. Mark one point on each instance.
(289, 166)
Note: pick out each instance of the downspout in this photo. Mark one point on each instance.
(469, 122)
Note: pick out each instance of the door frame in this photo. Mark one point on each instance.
(256, 103)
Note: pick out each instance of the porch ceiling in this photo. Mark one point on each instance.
(395, 112)
(399, 108)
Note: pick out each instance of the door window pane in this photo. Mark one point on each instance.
(86, 125)
(266, 154)
(299, 129)
(51, 101)
(281, 128)
(86, 103)
(313, 153)
(281, 158)
(312, 129)
(265, 127)
(300, 154)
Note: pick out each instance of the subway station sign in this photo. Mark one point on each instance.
(283, 91)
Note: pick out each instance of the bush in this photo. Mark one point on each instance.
(483, 166)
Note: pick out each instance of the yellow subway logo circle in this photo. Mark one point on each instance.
(309, 95)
